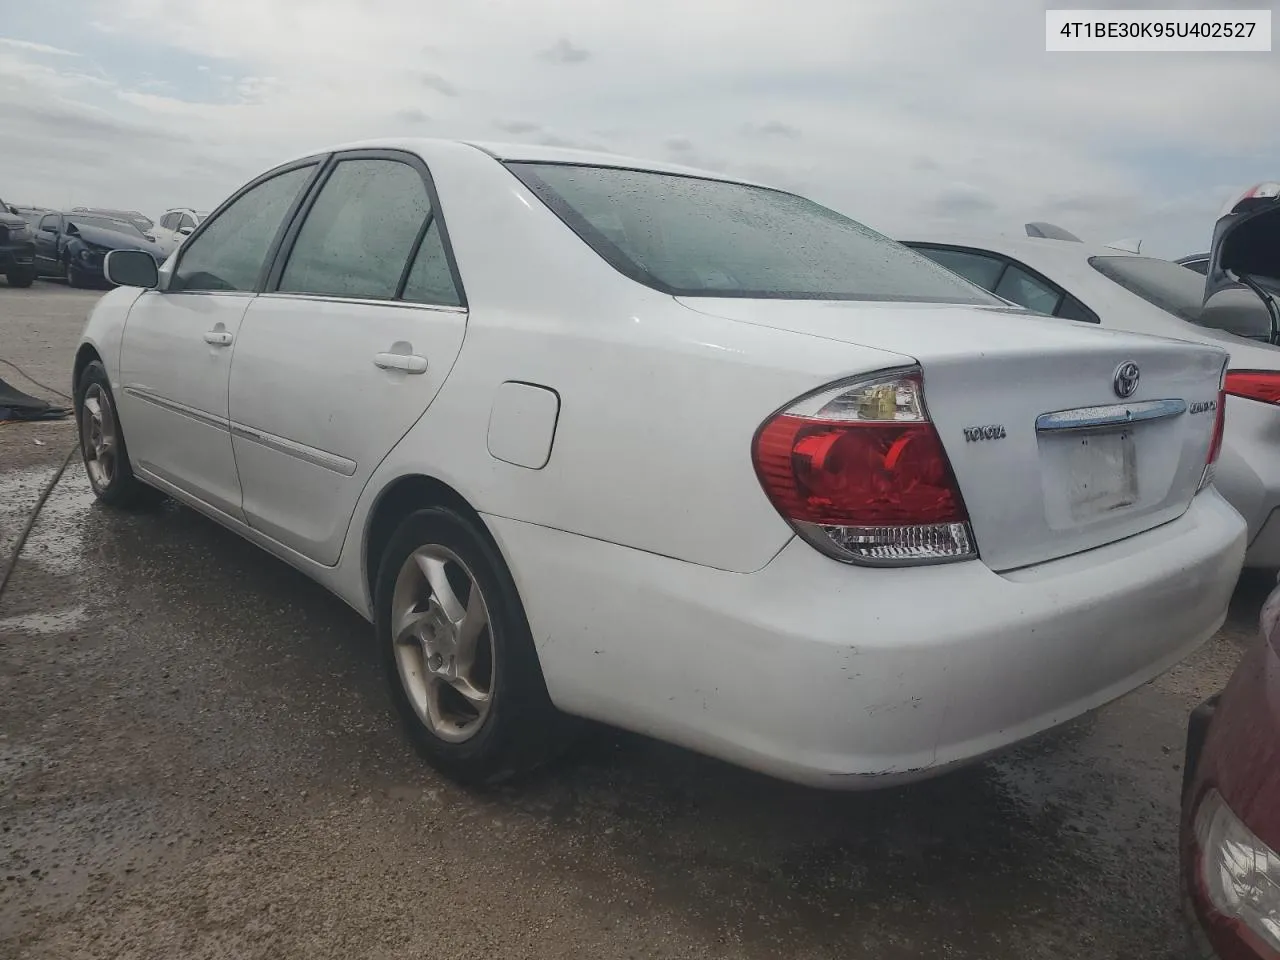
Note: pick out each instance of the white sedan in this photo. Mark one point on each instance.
(596, 437)
(1117, 289)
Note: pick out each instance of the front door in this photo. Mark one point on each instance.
(48, 232)
(336, 363)
(175, 358)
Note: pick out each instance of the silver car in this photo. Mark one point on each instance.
(1092, 283)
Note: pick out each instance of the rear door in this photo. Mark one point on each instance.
(363, 318)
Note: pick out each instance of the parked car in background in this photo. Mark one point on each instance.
(31, 214)
(885, 523)
(1123, 291)
(72, 246)
(1231, 807)
(1199, 262)
(141, 221)
(176, 225)
(17, 251)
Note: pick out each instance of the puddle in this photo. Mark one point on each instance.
(57, 541)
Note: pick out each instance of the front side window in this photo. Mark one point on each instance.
(50, 222)
(1023, 289)
(698, 237)
(167, 221)
(232, 251)
(360, 233)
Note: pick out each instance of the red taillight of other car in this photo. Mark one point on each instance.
(1261, 385)
(860, 472)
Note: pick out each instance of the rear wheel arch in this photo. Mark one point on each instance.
(402, 497)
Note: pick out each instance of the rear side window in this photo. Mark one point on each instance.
(430, 280)
(696, 237)
(231, 251)
(360, 233)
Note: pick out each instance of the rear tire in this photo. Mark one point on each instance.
(476, 709)
(21, 277)
(102, 446)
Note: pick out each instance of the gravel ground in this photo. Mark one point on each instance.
(197, 760)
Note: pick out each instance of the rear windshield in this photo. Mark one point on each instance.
(1170, 286)
(695, 237)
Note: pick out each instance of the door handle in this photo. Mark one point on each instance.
(408, 362)
(219, 338)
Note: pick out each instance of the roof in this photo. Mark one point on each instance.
(536, 153)
(1038, 249)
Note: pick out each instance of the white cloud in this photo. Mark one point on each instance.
(905, 116)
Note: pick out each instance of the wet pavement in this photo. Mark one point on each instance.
(197, 759)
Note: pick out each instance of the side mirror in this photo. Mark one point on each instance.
(186, 231)
(131, 268)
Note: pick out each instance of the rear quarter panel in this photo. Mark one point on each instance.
(658, 404)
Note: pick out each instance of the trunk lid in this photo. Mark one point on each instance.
(1246, 243)
(1050, 457)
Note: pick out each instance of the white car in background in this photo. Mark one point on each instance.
(603, 437)
(176, 225)
(1123, 291)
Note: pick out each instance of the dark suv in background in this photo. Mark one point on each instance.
(17, 249)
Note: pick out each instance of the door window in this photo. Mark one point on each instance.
(974, 267)
(184, 220)
(1022, 288)
(232, 250)
(50, 222)
(430, 280)
(360, 233)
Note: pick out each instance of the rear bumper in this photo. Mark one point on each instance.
(850, 677)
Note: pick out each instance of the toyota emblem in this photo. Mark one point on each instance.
(1125, 380)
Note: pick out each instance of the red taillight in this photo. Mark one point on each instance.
(1219, 424)
(860, 472)
(1261, 385)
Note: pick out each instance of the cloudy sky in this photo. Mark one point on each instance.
(908, 115)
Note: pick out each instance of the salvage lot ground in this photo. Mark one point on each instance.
(197, 760)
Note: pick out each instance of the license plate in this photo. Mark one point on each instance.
(1102, 474)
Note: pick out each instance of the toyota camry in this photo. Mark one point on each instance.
(586, 436)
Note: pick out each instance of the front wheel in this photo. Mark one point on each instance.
(73, 278)
(458, 654)
(102, 447)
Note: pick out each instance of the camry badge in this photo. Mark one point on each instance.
(1125, 380)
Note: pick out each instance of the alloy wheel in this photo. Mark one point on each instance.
(99, 437)
(443, 643)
